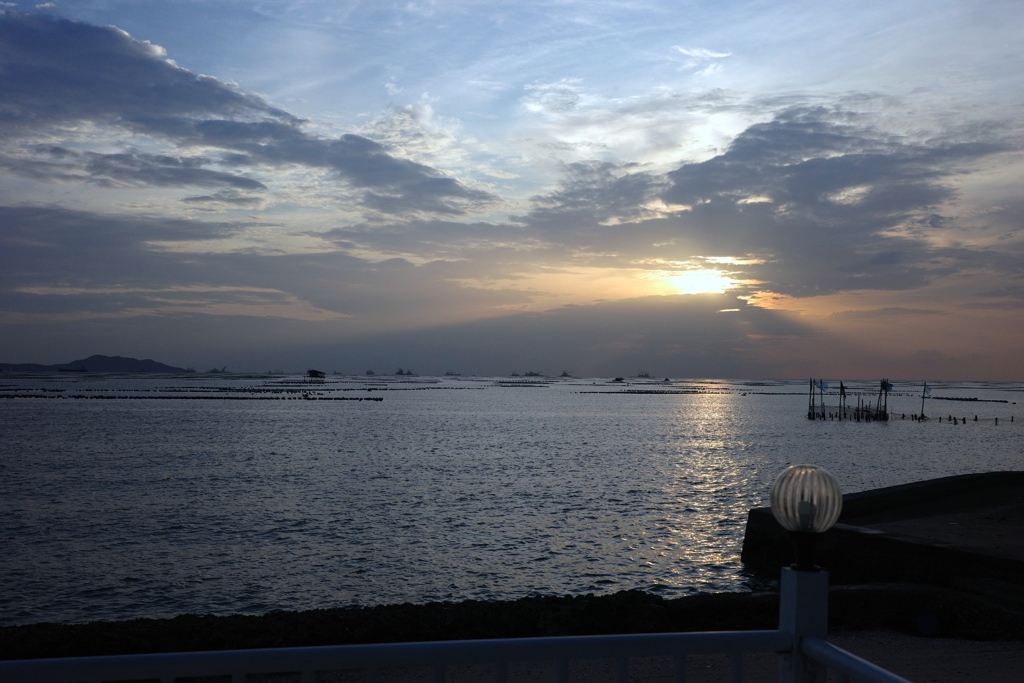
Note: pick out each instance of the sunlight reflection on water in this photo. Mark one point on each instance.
(442, 491)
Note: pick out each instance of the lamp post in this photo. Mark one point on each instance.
(806, 500)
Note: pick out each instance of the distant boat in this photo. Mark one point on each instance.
(565, 373)
(216, 371)
(370, 373)
(533, 374)
(452, 374)
(643, 375)
(72, 370)
(514, 374)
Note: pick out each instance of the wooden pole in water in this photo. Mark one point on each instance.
(810, 399)
(885, 385)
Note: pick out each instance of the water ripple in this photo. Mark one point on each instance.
(122, 509)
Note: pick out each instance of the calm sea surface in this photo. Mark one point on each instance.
(141, 496)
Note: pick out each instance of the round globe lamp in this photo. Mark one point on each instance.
(806, 500)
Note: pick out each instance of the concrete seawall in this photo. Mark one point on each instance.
(963, 532)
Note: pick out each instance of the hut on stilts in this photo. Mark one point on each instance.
(816, 408)
(880, 410)
(865, 411)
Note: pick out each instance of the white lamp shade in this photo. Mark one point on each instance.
(806, 498)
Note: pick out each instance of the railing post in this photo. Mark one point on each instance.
(803, 611)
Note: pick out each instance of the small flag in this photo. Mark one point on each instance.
(822, 384)
(927, 389)
(886, 385)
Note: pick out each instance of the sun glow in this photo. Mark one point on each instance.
(697, 282)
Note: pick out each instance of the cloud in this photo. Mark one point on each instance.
(682, 336)
(553, 99)
(63, 265)
(891, 312)
(65, 231)
(59, 75)
(700, 53)
(227, 199)
(61, 72)
(841, 206)
(128, 169)
(815, 201)
(706, 60)
(116, 158)
(51, 247)
(590, 194)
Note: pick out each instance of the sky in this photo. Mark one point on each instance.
(696, 188)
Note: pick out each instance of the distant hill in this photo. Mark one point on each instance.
(96, 364)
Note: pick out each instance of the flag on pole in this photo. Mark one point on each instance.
(886, 385)
(822, 384)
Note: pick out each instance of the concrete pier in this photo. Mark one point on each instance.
(964, 532)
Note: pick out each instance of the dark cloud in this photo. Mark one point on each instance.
(1010, 298)
(894, 312)
(227, 198)
(67, 228)
(592, 193)
(817, 201)
(48, 246)
(56, 73)
(828, 203)
(435, 239)
(931, 357)
(681, 336)
(162, 171)
(70, 262)
(130, 169)
(432, 195)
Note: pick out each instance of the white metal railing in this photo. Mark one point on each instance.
(849, 666)
(435, 655)
(804, 654)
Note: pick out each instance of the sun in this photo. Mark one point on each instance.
(698, 282)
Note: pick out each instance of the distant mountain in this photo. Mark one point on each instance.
(96, 364)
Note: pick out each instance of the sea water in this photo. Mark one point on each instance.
(138, 496)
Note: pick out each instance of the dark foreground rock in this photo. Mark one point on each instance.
(908, 609)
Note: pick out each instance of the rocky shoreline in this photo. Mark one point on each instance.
(909, 609)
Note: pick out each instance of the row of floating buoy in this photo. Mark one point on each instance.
(868, 417)
(199, 398)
